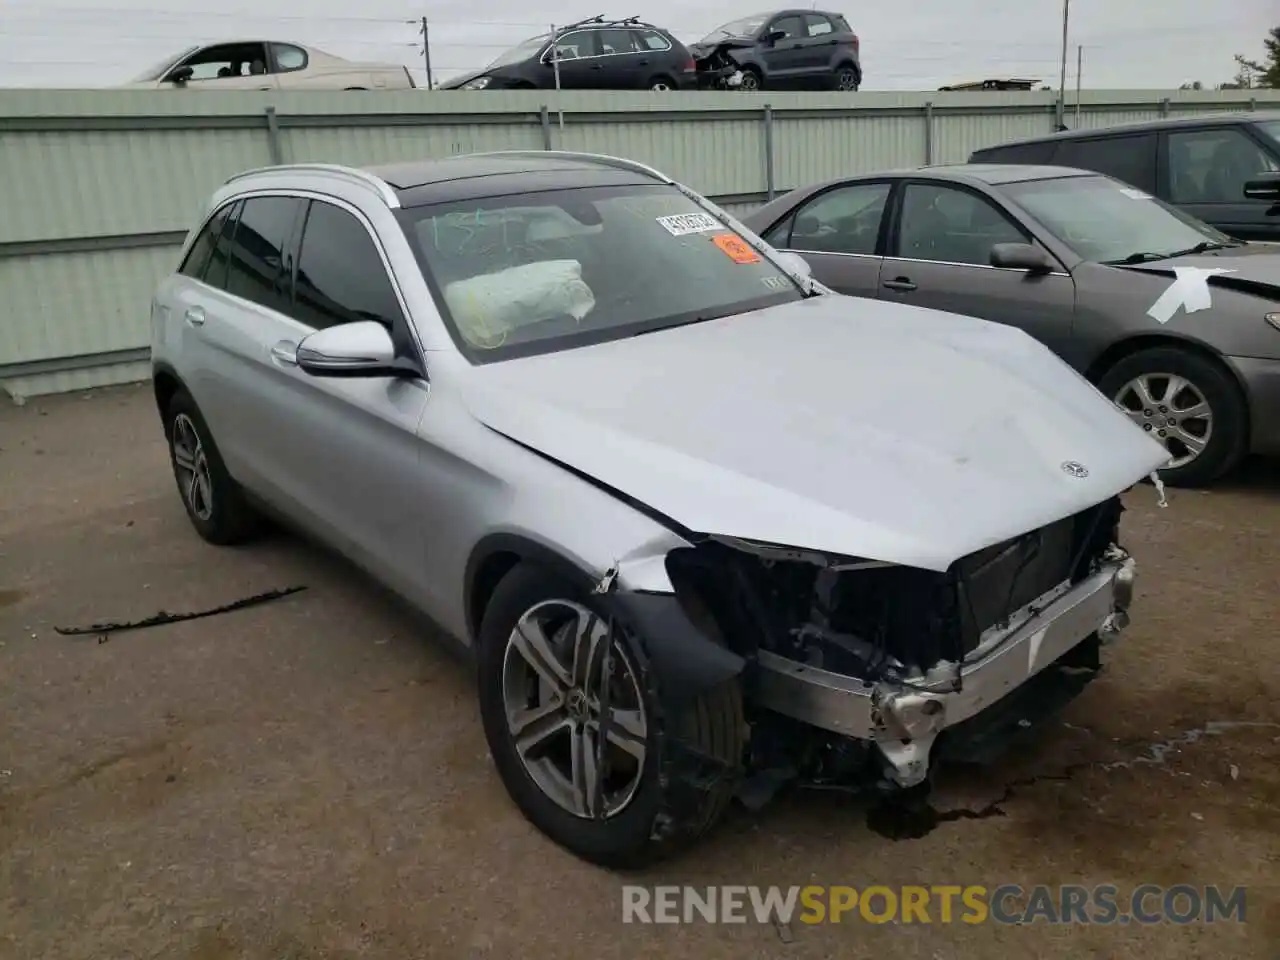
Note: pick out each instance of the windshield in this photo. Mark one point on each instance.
(161, 68)
(525, 50)
(1271, 128)
(746, 27)
(548, 271)
(1105, 220)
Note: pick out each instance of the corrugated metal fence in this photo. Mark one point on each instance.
(100, 187)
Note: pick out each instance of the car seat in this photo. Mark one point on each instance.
(257, 68)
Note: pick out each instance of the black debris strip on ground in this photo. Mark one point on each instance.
(103, 631)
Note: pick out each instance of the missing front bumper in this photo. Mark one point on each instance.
(904, 721)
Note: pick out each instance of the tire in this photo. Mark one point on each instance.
(647, 813)
(846, 79)
(664, 84)
(1228, 422)
(751, 80)
(215, 504)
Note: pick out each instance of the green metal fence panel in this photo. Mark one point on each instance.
(100, 186)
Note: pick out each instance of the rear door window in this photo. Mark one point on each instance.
(258, 268)
(617, 41)
(843, 220)
(1130, 157)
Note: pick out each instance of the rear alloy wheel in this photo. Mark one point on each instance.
(751, 81)
(661, 84)
(213, 500)
(847, 79)
(1188, 403)
(573, 721)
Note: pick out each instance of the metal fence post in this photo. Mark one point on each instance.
(928, 133)
(273, 137)
(768, 150)
(1164, 107)
(544, 115)
(1253, 104)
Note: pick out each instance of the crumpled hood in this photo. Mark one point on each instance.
(836, 424)
(703, 49)
(1253, 269)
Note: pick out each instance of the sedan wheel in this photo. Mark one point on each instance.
(575, 710)
(1190, 402)
(660, 85)
(1173, 410)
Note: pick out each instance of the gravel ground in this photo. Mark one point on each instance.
(308, 778)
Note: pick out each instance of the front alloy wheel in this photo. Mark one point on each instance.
(574, 709)
(1173, 410)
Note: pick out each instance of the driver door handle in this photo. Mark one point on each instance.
(285, 353)
(902, 283)
(194, 316)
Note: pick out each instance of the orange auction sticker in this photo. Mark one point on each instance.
(735, 248)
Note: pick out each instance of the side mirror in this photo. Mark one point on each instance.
(1265, 187)
(181, 75)
(1021, 256)
(773, 36)
(359, 349)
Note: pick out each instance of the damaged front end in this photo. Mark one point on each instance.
(717, 68)
(877, 667)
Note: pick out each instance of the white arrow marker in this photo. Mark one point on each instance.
(1190, 290)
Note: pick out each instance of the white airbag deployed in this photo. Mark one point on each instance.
(489, 306)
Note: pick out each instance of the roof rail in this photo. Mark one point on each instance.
(602, 159)
(363, 177)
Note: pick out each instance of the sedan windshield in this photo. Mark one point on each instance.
(746, 27)
(525, 50)
(161, 68)
(1104, 220)
(547, 271)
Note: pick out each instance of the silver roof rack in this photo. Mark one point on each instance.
(363, 177)
(600, 158)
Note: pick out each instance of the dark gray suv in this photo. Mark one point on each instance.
(1201, 165)
(785, 49)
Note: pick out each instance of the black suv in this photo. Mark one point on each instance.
(786, 49)
(1200, 165)
(595, 54)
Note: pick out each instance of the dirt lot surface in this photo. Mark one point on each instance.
(308, 778)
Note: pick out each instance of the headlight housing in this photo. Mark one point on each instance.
(1273, 319)
(479, 83)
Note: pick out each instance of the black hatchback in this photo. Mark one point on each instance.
(595, 54)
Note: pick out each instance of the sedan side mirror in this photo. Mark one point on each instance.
(359, 349)
(1021, 256)
(1265, 187)
(181, 75)
(773, 36)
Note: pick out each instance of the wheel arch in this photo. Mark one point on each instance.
(165, 382)
(498, 554)
(1127, 347)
